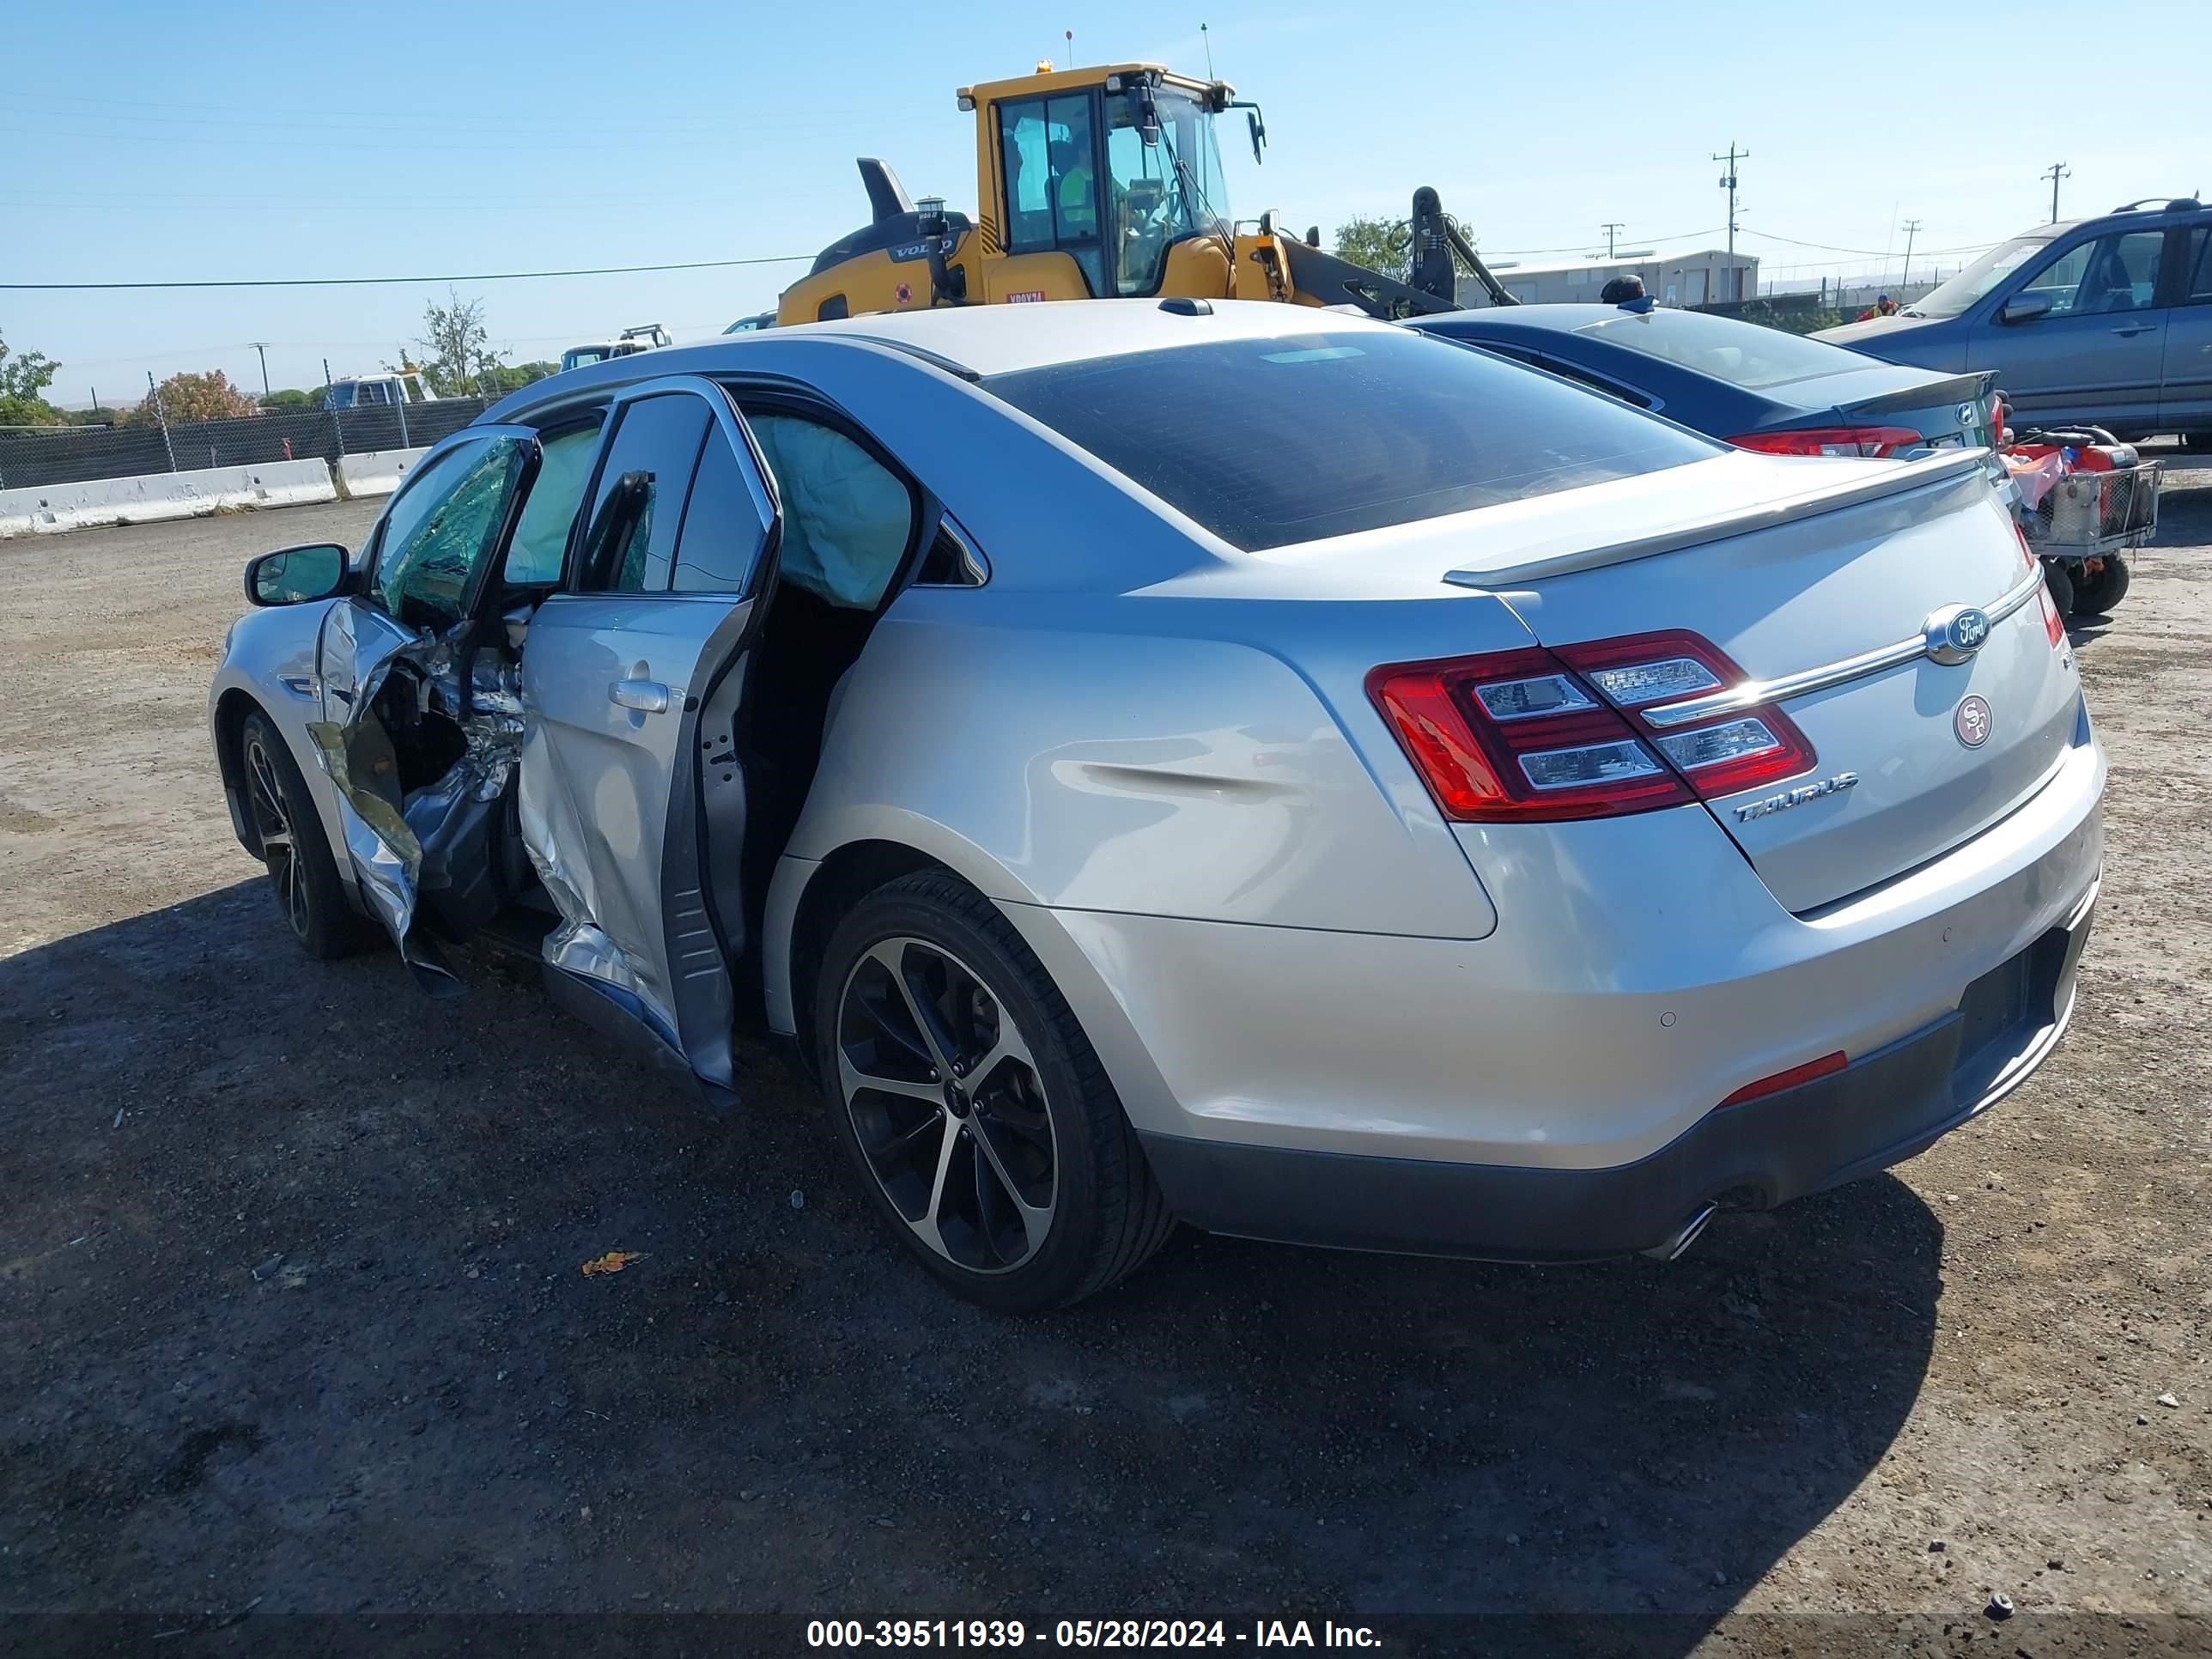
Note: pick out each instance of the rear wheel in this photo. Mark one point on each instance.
(972, 1105)
(302, 871)
(2094, 596)
(2061, 584)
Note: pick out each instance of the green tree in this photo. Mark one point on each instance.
(292, 397)
(187, 396)
(513, 377)
(457, 358)
(24, 376)
(1383, 246)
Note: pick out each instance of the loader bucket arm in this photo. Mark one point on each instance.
(1322, 279)
(1436, 238)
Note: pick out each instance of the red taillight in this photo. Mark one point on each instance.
(1825, 1066)
(2054, 625)
(1536, 735)
(1513, 736)
(1831, 441)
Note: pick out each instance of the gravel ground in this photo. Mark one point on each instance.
(291, 1320)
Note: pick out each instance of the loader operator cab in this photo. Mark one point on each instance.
(1113, 174)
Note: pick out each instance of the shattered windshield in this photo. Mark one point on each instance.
(439, 534)
(1161, 192)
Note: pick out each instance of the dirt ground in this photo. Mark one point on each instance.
(291, 1321)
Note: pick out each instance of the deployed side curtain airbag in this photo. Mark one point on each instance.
(846, 520)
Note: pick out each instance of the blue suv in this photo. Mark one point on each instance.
(2105, 321)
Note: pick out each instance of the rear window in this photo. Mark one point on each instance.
(1273, 440)
(1742, 353)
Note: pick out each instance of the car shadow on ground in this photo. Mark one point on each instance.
(296, 1257)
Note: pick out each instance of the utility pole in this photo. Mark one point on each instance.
(1727, 183)
(2058, 170)
(337, 425)
(1911, 226)
(262, 346)
(162, 415)
(1609, 226)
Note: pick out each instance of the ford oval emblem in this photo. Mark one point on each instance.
(1973, 722)
(1968, 630)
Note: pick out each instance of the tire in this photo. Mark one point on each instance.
(2095, 596)
(2055, 577)
(302, 871)
(1017, 1181)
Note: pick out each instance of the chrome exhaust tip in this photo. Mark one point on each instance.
(1668, 1249)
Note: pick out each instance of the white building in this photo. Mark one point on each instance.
(1672, 279)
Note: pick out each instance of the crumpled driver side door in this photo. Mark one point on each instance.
(437, 542)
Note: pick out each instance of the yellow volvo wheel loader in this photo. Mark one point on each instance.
(1099, 184)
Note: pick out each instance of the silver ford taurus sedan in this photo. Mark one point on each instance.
(1231, 762)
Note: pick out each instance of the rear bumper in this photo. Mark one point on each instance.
(1877, 1111)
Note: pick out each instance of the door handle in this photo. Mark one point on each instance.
(2135, 328)
(646, 696)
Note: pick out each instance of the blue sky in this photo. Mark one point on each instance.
(162, 141)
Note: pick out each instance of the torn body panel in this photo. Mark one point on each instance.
(420, 734)
(552, 825)
(608, 804)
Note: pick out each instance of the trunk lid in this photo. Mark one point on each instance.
(1955, 410)
(1936, 746)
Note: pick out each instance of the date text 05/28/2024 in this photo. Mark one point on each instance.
(952, 1634)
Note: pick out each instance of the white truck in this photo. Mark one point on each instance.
(645, 338)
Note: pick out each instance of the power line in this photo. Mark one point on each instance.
(373, 282)
(1586, 247)
(1869, 252)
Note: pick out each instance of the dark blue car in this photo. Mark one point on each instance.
(1753, 387)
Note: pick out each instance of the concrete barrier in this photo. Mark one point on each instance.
(375, 471)
(47, 508)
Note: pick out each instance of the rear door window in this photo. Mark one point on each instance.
(2113, 273)
(639, 506)
(1331, 433)
(541, 534)
(2200, 266)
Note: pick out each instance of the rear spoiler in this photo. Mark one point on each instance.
(1944, 471)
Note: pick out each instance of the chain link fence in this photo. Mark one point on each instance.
(33, 456)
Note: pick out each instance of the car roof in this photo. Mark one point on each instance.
(980, 340)
(1006, 339)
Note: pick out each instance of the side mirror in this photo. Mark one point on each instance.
(297, 576)
(1147, 110)
(1258, 129)
(2025, 308)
